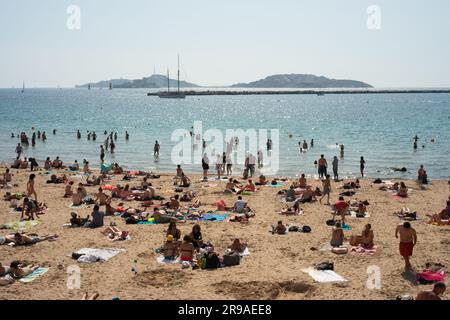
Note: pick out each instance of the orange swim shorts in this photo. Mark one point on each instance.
(406, 249)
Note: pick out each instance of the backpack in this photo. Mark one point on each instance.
(231, 259)
(293, 229)
(212, 261)
(360, 214)
(331, 222)
(324, 266)
(306, 229)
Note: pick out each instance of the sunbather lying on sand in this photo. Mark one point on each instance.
(114, 234)
(442, 218)
(18, 239)
(352, 185)
(19, 270)
(393, 187)
(294, 210)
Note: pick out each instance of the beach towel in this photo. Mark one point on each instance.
(88, 255)
(149, 221)
(327, 246)
(81, 206)
(214, 217)
(278, 185)
(353, 215)
(160, 259)
(106, 168)
(33, 276)
(20, 225)
(346, 227)
(324, 276)
(363, 251)
(428, 276)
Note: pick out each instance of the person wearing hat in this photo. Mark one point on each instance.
(170, 248)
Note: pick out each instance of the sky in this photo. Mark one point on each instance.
(225, 42)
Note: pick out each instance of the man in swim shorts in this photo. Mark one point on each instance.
(408, 239)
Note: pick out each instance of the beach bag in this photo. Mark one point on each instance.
(377, 181)
(324, 266)
(212, 261)
(231, 259)
(293, 229)
(330, 222)
(360, 214)
(306, 229)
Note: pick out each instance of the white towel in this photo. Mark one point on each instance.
(324, 276)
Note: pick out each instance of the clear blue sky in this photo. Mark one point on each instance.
(224, 42)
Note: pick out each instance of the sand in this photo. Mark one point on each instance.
(272, 271)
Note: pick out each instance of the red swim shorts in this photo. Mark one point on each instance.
(406, 249)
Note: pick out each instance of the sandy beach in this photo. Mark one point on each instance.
(272, 271)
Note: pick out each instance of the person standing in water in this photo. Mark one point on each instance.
(362, 163)
(342, 150)
(127, 136)
(44, 136)
(335, 164)
(322, 170)
(33, 139)
(102, 154)
(156, 149)
(19, 150)
(312, 143)
(78, 134)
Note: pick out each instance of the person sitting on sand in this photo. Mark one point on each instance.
(352, 185)
(76, 221)
(19, 270)
(367, 237)
(170, 249)
(48, 164)
(7, 177)
(442, 218)
(18, 239)
(187, 249)
(337, 236)
(280, 228)
(117, 169)
(262, 181)
(68, 190)
(307, 195)
(196, 236)
(24, 164)
(302, 183)
(77, 198)
(185, 181)
(75, 166)
(173, 231)
(290, 194)
(340, 208)
(97, 218)
(403, 190)
(188, 196)
(231, 186)
(86, 169)
(250, 187)
(237, 246)
(179, 172)
(57, 163)
(438, 289)
(174, 202)
(4, 270)
(29, 209)
(240, 206)
(94, 181)
(101, 198)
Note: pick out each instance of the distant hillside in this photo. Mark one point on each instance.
(105, 83)
(301, 81)
(154, 81)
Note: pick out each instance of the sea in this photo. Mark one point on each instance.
(379, 127)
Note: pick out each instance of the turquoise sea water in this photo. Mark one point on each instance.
(379, 127)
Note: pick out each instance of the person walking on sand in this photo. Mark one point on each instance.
(362, 163)
(30, 187)
(156, 149)
(408, 239)
(326, 189)
(205, 166)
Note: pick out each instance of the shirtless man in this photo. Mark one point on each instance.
(18, 270)
(7, 176)
(408, 239)
(438, 289)
(322, 166)
(337, 236)
(174, 203)
(302, 183)
(187, 249)
(77, 197)
(101, 198)
(367, 236)
(341, 208)
(170, 249)
(280, 228)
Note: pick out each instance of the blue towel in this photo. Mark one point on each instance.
(214, 217)
(146, 222)
(278, 185)
(346, 227)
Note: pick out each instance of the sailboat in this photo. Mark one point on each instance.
(23, 87)
(172, 94)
